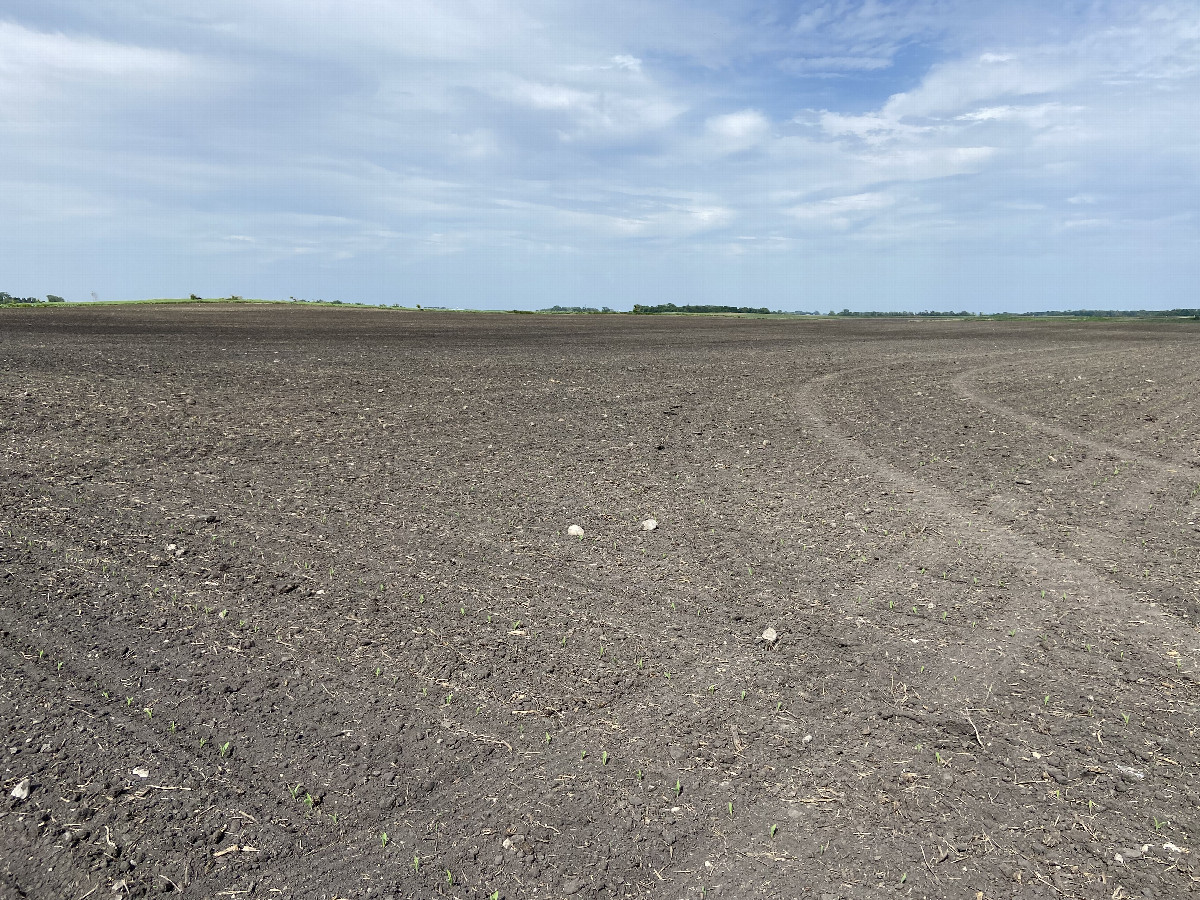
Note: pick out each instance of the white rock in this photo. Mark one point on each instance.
(575, 531)
(142, 773)
(770, 636)
(21, 791)
(649, 524)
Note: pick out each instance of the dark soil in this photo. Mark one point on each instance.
(277, 582)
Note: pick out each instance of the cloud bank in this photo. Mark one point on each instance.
(471, 153)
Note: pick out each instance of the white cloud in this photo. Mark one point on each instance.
(34, 55)
(738, 131)
(835, 64)
(842, 212)
(41, 69)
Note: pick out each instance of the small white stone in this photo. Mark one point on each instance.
(807, 739)
(21, 791)
(649, 525)
(141, 773)
(770, 636)
(575, 531)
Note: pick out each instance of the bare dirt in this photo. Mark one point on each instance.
(288, 607)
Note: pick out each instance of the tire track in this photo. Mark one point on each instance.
(964, 383)
(1105, 604)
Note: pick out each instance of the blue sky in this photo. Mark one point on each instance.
(471, 153)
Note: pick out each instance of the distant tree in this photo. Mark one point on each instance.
(54, 298)
(193, 297)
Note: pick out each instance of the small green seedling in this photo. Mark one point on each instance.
(295, 792)
(149, 711)
(639, 774)
(743, 695)
(729, 806)
(105, 695)
(383, 839)
(449, 877)
(604, 758)
(416, 864)
(60, 665)
(583, 754)
(1046, 700)
(774, 828)
(548, 737)
(203, 741)
(226, 748)
(129, 701)
(678, 787)
(174, 726)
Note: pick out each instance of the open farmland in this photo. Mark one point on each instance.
(288, 607)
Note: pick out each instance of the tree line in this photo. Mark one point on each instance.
(7, 298)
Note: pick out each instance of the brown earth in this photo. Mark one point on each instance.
(276, 582)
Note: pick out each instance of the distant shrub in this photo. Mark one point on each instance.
(54, 298)
(641, 310)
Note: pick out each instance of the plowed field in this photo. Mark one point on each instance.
(288, 606)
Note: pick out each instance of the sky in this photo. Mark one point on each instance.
(921, 155)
